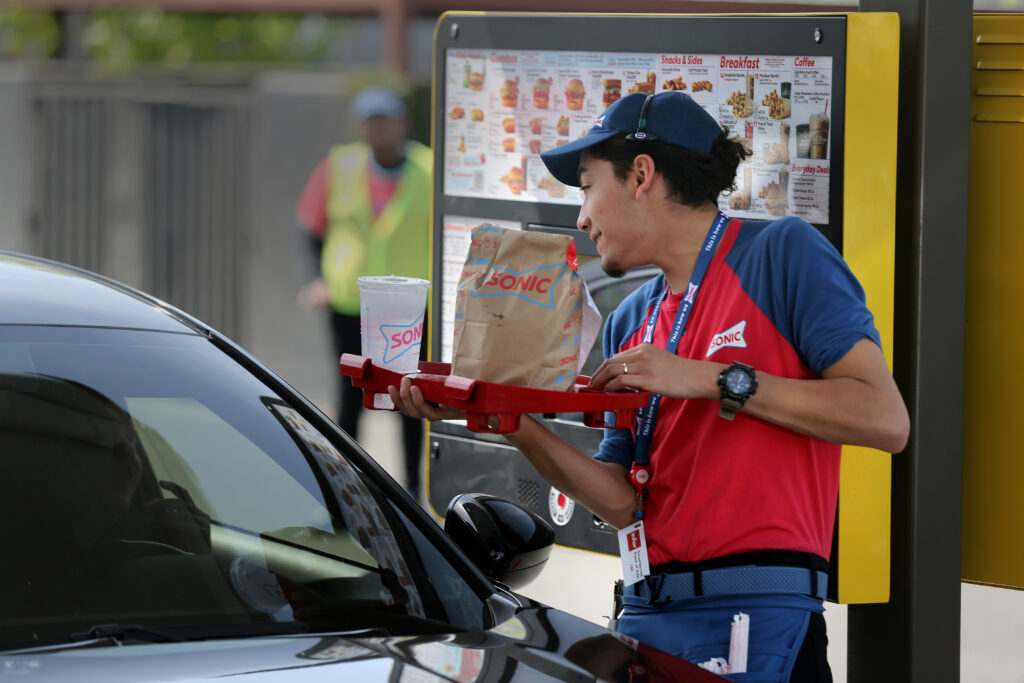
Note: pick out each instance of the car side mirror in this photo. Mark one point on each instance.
(508, 543)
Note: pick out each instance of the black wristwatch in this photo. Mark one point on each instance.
(738, 383)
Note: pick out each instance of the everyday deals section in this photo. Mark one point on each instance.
(504, 107)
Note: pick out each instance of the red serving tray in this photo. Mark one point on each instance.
(492, 407)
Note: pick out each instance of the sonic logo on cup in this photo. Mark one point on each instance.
(535, 285)
(401, 338)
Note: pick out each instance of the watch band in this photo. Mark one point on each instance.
(731, 402)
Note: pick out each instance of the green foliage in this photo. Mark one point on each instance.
(119, 39)
(28, 33)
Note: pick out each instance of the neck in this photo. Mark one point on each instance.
(389, 158)
(689, 228)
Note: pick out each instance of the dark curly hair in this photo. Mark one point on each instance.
(693, 178)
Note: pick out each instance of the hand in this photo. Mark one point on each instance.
(649, 368)
(314, 295)
(408, 398)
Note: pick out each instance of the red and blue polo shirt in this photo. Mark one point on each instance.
(779, 297)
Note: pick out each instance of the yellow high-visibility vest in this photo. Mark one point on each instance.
(395, 243)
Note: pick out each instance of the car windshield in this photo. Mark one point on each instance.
(147, 478)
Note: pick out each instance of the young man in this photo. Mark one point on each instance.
(773, 360)
(366, 211)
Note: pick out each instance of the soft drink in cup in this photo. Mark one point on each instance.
(391, 310)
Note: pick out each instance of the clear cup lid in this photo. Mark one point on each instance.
(391, 281)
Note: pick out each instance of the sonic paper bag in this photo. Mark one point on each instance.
(522, 313)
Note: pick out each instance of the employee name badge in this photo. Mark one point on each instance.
(633, 551)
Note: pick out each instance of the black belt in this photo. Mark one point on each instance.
(730, 581)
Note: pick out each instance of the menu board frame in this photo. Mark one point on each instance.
(809, 36)
(757, 35)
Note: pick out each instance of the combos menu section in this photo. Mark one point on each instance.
(502, 108)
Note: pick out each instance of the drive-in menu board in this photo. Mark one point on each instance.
(503, 107)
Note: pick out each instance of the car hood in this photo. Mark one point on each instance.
(538, 643)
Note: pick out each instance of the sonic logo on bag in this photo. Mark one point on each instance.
(535, 285)
(401, 338)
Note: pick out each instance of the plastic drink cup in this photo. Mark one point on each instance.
(819, 136)
(803, 140)
(391, 310)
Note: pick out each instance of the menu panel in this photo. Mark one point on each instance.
(504, 107)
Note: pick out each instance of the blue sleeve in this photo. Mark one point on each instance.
(802, 283)
(617, 446)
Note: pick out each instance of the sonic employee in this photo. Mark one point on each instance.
(762, 358)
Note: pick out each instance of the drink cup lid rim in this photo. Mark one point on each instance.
(391, 281)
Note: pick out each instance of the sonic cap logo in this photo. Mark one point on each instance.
(401, 338)
(535, 285)
(731, 337)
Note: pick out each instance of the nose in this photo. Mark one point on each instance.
(583, 220)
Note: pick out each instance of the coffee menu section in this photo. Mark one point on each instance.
(503, 108)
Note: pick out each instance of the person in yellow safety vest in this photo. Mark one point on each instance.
(365, 210)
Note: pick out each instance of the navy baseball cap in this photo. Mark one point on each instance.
(671, 116)
(377, 101)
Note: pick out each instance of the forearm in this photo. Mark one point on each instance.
(837, 409)
(603, 488)
(854, 402)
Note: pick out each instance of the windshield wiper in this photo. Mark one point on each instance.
(120, 633)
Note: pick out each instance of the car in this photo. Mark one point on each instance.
(172, 509)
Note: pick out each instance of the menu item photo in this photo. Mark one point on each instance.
(574, 94)
(475, 81)
(510, 93)
(778, 107)
(676, 83)
(515, 179)
(612, 91)
(742, 106)
(775, 201)
(541, 93)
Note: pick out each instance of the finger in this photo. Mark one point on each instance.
(605, 372)
(428, 410)
(410, 406)
(396, 397)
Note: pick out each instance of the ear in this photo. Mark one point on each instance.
(643, 174)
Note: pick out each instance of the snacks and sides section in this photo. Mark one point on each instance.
(504, 107)
(457, 237)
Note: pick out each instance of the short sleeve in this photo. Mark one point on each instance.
(818, 302)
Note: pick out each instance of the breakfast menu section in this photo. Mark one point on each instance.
(503, 107)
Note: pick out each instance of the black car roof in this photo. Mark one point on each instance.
(34, 291)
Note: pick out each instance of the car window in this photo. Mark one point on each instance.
(147, 478)
(607, 293)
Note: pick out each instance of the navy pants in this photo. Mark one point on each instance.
(787, 632)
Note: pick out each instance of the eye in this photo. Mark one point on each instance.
(583, 189)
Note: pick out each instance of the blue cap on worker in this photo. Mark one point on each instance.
(670, 116)
(377, 100)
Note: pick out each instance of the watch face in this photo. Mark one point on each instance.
(737, 382)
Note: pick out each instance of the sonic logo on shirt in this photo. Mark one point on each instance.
(732, 337)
